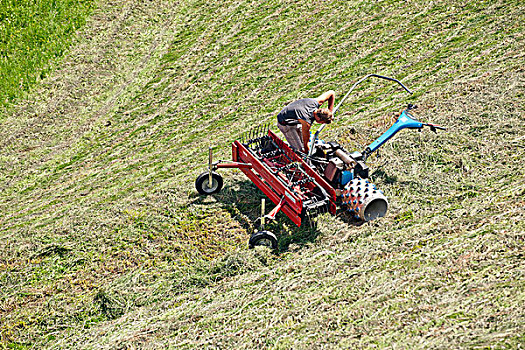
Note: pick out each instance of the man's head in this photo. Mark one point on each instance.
(323, 116)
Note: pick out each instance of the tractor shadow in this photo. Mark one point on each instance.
(381, 174)
(348, 218)
(242, 199)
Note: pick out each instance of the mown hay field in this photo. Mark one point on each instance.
(104, 242)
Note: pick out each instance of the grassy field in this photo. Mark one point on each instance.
(104, 242)
(33, 35)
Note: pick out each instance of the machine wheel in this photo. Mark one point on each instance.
(263, 238)
(202, 184)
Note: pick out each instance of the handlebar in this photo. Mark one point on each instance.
(312, 142)
(404, 121)
(434, 127)
(363, 79)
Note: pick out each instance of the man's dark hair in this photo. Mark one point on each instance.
(324, 115)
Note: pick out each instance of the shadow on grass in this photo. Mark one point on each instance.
(242, 199)
(391, 179)
(379, 173)
(349, 218)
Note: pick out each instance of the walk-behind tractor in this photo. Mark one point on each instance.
(303, 185)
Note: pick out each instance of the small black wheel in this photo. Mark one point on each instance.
(203, 186)
(263, 238)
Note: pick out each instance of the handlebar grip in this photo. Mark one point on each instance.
(434, 126)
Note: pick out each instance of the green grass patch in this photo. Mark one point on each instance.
(34, 33)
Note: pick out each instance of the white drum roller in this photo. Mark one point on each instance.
(364, 200)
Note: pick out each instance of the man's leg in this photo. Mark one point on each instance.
(293, 135)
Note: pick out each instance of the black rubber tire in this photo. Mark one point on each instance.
(263, 238)
(202, 183)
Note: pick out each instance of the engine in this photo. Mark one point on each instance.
(348, 174)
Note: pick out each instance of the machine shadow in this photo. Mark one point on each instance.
(242, 199)
(349, 218)
(381, 174)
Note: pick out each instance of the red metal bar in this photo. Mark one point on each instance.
(275, 210)
(233, 165)
(235, 152)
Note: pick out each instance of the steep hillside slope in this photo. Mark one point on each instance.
(104, 242)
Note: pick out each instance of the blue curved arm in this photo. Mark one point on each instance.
(404, 121)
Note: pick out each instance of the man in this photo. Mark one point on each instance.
(295, 120)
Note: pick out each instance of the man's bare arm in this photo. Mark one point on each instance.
(327, 96)
(305, 129)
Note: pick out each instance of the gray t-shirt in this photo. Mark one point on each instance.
(300, 109)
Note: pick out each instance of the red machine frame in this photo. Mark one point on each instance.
(264, 173)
